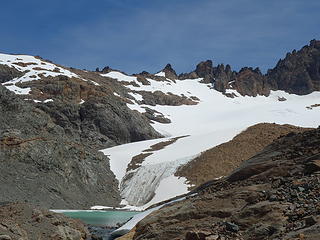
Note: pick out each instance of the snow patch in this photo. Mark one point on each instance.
(137, 96)
(160, 74)
(17, 90)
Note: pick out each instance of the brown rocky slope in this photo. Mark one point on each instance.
(273, 195)
(221, 160)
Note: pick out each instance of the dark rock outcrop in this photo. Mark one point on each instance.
(273, 195)
(113, 119)
(170, 72)
(223, 77)
(42, 163)
(299, 71)
(205, 71)
(103, 120)
(21, 221)
(169, 99)
(7, 73)
(247, 81)
(251, 83)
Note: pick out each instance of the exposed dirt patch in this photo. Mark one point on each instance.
(221, 160)
(137, 160)
(14, 141)
(313, 106)
(23, 64)
(162, 145)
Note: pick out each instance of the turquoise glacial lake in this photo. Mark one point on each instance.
(100, 218)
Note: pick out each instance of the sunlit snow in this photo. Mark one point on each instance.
(33, 68)
(214, 120)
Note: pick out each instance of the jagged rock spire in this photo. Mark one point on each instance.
(169, 72)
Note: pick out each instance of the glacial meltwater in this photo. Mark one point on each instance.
(100, 218)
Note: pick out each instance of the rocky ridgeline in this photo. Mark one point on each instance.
(298, 73)
(273, 195)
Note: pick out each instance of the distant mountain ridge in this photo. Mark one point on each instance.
(298, 73)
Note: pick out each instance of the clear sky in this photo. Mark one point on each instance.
(136, 35)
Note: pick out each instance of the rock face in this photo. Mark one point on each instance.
(205, 71)
(8, 73)
(247, 81)
(50, 137)
(299, 72)
(273, 195)
(170, 72)
(43, 164)
(168, 99)
(224, 76)
(251, 83)
(21, 221)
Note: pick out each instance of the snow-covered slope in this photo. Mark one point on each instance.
(33, 68)
(214, 120)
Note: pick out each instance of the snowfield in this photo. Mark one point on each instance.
(214, 120)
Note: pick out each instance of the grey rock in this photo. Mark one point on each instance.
(7, 73)
(298, 72)
(170, 72)
(232, 227)
(5, 237)
(41, 164)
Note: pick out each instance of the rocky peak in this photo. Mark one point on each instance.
(106, 69)
(170, 72)
(315, 43)
(251, 82)
(144, 73)
(298, 72)
(205, 71)
(222, 77)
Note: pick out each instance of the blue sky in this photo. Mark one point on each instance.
(136, 35)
